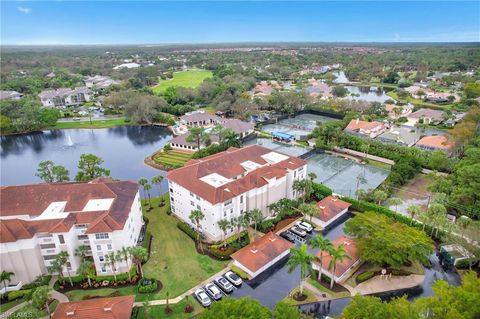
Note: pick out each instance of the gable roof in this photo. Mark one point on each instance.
(357, 124)
(435, 141)
(262, 251)
(330, 207)
(104, 308)
(228, 164)
(427, 113)
(32, 200)
(351, 249)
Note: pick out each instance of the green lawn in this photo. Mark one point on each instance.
(29, 311)
(418, 102)
(10, 304)
(94, 124)
(174, 259)
(177, 310)
(331, 293)
(190, 78)
(171, 158)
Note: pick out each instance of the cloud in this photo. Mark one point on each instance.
(24, 10)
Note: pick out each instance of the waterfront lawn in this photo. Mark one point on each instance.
(29, 311)
(171, 158)
(190, 78)
(177, 310)
(418, 102)
(174, 259)
(94, 124)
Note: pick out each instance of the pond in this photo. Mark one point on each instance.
(369, 94)
(341, 77)
(122, 148)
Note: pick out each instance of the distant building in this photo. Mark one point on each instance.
(263, 89)
(400, 135)
(343, 269)
(101, 308)
(428, 116)
(131, 65)
(200, 118)
(330, 209)
(366, 129)
(65, 97)
(99, 82)
(261, 254)
(10, 95)
(397, 111)
(435, 143)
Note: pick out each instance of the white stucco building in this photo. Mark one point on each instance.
(64, 97)
(39, 221)
(227, 184)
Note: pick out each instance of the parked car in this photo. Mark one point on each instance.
(297, 230)
(224, 284)
(213, 291)
(305, 226)
(233, 278)
(202, 297)
(288, 236)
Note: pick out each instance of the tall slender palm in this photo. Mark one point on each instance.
(56, 268)
(111, 259)
(143, 181)
(147, 187)
(300, 257)
(312, 176)
(245, 221)
(125, 254)
(196, 216)
(63, 261)
(338, 255)
(82, 251)
(87, 269)
(323, 244)
(157, 180)
(413, 210)
(256, 217)
(224, 224)
(139, 255)
(309, 210)
(395, 201)
(6, 276)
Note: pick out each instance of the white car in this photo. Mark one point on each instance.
(233, 278)
(202, 297)
(298, 231)
(213, 291)
(304, 225)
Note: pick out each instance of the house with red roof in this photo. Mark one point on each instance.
(330, 209)
(104, 308)
(344, 269)
(227, 184)
(38, 221)
(435, 143)
(263, 253)
(365, 128)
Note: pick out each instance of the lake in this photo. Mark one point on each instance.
(122, 148)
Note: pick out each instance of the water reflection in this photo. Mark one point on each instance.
(122, 148)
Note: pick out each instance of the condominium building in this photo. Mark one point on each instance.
(65, 97)
(230, 183)
(39, 221)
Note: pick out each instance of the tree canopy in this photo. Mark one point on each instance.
(243, 308)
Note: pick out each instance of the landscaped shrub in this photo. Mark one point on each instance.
(222, 254)
(188, 230)
(135, 312)
(364, 276)
(120, 277)
(239, 272)
(147, 285)
(41, 280)
(321, 191)
(266, 225)
(400, 272)
(14, 295)
(464, 264)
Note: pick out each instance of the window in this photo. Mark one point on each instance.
(192, 203)
(241, 199)
(198, 198)
(294, 174)
(61, 239)
(99, 247)
(103, 268)
(198, 206)
(228, 202)
(49, 257)
(172, 199)
(47, 246)
(80, 226)
(191, 194)
(82, 237)
(101, 236)
(224, 213)
(101, 258)
(171, 190)
(109, 246)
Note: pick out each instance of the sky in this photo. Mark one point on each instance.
(136, 22)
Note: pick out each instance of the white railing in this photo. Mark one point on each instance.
(11, 288)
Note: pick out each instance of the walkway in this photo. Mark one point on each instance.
(321, 296)
(188, 292)
(378, 285)
(13, 309)
(55, 294)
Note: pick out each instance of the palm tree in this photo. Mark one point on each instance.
(379, 196)
(87, 269)
(62, 259)
(309, 210)
(82, 251)
(157, 180)
(147, 187)
(299, 256)
(312, 176)
(139, 255)
(143, 181)
(395, 201)
(323, 244)
(413, 210)
(256, 217)
(360, 180)
(196, 216)
(224, 224)
(338, 255)
(198, 135)
(303, 186)
(125, 254)
(54, 268)
(6, 276)
(111, 259)
(229, 138)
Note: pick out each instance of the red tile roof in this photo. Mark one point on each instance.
(350, 247)
(262, 251)
(32, 200)
(101, 308)
(438, 142)
(330, 207)
(228, 165)
(357, 124)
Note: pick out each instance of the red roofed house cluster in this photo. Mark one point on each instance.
(330, 209)
(263, 253)
(39, 221)
(435, 142)
(343, 269)
(101, 308)
(228, 184)
(364, 128)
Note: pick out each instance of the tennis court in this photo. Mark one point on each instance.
(299, 126)
(279, 147)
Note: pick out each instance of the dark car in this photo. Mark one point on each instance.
(213, 291)
(224, 284)
(288, 236)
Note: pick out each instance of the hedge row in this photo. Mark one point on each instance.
(188, 230)
(321, 191)
(364, 276)
(14, 295)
